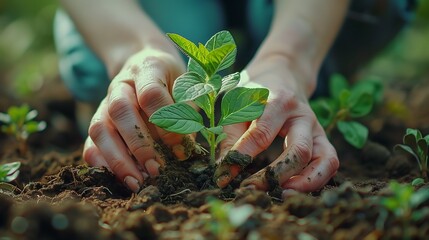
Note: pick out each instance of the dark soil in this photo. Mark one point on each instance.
(58, 197)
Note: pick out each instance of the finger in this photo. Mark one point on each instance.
(124, 113)
(233, 134)
(113, 149)
(319, 171)
(152, 94)
(92, 155)
(297, 154)
(259, 135)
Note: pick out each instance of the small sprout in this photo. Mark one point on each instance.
(202, 85)
(19, 122)
(346, 103)
(415, 144)
(403, 202)
(9, 171)
(227, 218)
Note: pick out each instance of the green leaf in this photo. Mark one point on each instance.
(33, 126)
(229, 82)
(415, 132)
(219, 39)
(9, 171)
(423, 148)
(325, 110)
(5, 118)
(179, 118)
(189, 86)
(243, 104)
(219, 57)
(337, 84)
(359, 104)
(408, 149)
(355, 133)
(372, 86)
(189, 48)
(419, 197)
(417, 182)
(216, 130)
(204, 103)
(216, 82)
(220, 138)
(195, 67)
(343, 98)
(205, 134)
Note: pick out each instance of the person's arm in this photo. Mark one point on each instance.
(287, 63)
(143, 65)
(115, 30)
(302, 33)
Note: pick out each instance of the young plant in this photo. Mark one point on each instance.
(345, 104)
(202, 85)
(19, 122)
(9, 171)
(403, 202)
(227, 218)
(415, 144)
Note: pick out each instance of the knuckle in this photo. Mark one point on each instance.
(96, 130)
(261, 135)
(117, 166)
(333, 164)
(118, 107)
(288, 100)
(151, 94)
(302, 150)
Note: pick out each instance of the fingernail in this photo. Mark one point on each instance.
(223, 180)
(288, 193)
(180, 152)
(152, 167)
(132, 184)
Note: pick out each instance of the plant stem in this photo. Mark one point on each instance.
(212, 136)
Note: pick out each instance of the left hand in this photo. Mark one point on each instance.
(308, 160)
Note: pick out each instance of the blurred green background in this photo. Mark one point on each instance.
(28, 60)
(27, 54)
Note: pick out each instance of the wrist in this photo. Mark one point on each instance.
(119, 53)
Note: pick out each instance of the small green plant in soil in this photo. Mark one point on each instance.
(404, 203)
(227, 218)
(9, 171)
(417, 145)
(203, 85)
(345, 104)
(19, 122)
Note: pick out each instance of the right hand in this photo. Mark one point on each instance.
(120, 136)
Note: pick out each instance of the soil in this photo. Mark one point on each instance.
(58, 197)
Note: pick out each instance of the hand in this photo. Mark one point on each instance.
(120, 136)
(308, 160)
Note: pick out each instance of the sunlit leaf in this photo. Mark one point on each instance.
(242, 105)
(189, 86)
(219, 39)
(229, 82)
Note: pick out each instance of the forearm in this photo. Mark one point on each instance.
(115, 29)
(301, 33)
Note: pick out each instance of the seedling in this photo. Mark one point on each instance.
(345, 104)
(415, 144)
(403, 202)
(227, 218)
(19, 122)
(203, 85)
(9, 171)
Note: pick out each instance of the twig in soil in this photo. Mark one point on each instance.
(178, 193)
(89, 188)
